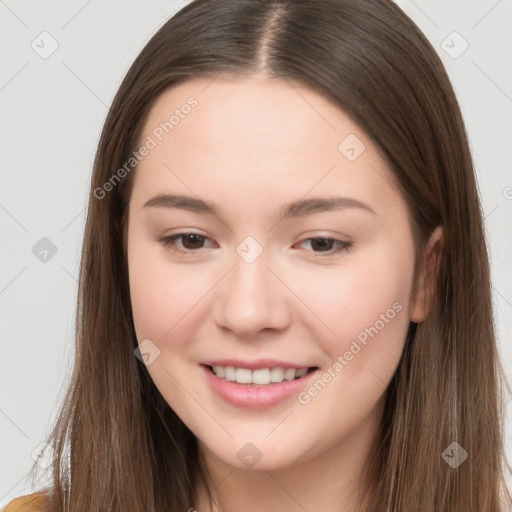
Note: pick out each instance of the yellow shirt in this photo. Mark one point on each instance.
(28, 503)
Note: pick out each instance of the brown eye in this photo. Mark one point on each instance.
(190, 242)
(326, 245)
(322, 244)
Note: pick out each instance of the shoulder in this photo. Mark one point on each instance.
(28, 503)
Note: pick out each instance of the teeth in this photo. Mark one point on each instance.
(243, 376)
(261, 376)
(229, 373)
(301, 372)
(276, 375)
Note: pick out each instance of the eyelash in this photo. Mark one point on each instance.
(168, 241)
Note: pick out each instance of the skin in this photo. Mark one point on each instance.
(252, 147)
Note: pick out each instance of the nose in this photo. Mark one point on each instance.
(251, 298)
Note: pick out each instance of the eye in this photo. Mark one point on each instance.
(191, 242)
(326, 245)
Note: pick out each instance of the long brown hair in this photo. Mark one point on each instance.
(118, 443)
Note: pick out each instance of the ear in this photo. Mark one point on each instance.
(422, 304)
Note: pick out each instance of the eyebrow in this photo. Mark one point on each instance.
(299, 208)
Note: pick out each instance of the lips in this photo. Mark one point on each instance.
(253, 396)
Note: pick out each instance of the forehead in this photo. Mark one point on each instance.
(256, 138)
(260, 113)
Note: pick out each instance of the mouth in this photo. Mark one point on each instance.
(255, 389)
(259, 378)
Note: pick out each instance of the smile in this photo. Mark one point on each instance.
(250, 395)
(261, 376)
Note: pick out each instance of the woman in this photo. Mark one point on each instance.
(284, 299)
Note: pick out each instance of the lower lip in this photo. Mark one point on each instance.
(255, 397)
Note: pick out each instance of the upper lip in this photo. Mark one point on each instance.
(256, 364)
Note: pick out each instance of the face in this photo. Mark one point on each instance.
(322, 284)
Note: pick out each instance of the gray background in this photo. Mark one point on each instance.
(53, 107)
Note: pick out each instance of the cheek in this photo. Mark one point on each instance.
(162, 295)
(360, 310)
(366, 311)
